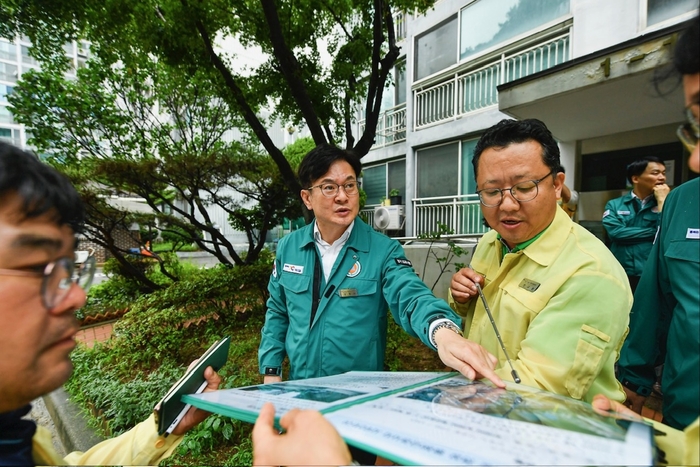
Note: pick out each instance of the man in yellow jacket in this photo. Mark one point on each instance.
(40, 289)
(558, 297)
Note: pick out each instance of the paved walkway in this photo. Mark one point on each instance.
(97, 333)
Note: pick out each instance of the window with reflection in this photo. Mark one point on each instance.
(488, 23)
(8, 51)
(378, 180)
(5, 91)
(436, 49)
(661, 10)
(436, 171)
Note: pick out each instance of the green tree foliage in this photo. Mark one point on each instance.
(294, 80)
(106, 130)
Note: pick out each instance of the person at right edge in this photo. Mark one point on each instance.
(665, 318)
(632, 219)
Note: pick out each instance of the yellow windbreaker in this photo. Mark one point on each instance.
(561, 305)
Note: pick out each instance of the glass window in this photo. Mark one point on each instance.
(8, 72)
(661, 10)
(26, 58)
(8, 51)
(5, 91)
(397, 177)
(400, 76)
(436, 49)
(436, 172)
(5, 115)
(374, 183)
(468, 182)
(9, 135)
(487, 23)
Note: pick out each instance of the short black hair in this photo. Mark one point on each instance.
(686, 59)
(637, 168)
(41, 188)
(507, 132)
(319, 160)
(686, 55)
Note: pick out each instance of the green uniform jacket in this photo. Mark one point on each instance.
(631, 230)
(561, 305)
(667, 309)
(139, 446)
(370, 275)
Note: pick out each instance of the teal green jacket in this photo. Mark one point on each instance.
(631, 230)
(348, 331)
(666, 312)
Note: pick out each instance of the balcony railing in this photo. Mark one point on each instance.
(473, 89)
(460, 213)
(391, 126)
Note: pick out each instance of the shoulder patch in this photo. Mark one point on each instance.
(403, 262)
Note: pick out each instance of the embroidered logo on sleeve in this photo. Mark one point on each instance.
(293, 268)
(693, 234)
(606, 213)
(403, 262)
(274, 269)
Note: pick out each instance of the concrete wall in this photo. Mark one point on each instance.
(429, 270)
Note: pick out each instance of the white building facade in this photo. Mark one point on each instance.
(584, 67)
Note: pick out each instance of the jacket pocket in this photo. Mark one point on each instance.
(295, 283)
(684, 250)
(587, 361)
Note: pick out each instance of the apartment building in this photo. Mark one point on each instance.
(584, 67)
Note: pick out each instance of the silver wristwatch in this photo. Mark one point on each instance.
(445, 324)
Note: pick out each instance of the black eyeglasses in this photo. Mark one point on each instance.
(330, 189)
(521, 192)
(689, 132)
(58, 277)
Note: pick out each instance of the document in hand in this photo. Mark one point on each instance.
(444, 418)
(170, 410)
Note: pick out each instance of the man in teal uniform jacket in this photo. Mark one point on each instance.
(631, 220)
(667, 303)
(334, 280)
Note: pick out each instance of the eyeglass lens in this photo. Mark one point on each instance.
(524, 191)
(60, 277)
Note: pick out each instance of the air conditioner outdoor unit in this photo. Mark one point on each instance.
(388, 217)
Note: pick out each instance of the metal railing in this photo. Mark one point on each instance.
(461, 213)
(391, 126)
(472, 89)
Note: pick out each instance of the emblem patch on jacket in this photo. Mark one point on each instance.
(355, 269)
(293, 268)
(693, 233)
(403, 262)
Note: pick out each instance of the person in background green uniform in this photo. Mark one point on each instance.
(631, 220)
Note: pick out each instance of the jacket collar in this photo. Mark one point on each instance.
(359, 237)
(544, 249)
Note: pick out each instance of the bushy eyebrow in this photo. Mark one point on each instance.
(30, 241)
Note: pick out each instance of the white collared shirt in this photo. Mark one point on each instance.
(645, 200)
(329, 253)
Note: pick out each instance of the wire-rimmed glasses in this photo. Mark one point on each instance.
(521, 192)
(58, 277)
(689, 132)
(330, 189)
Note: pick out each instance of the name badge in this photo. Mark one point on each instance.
(293, 268)
(623, 213)
(348, 293)
(693, 234)
(529, 285)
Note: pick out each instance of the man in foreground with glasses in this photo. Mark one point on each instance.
(40, 289)
(559, 298)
